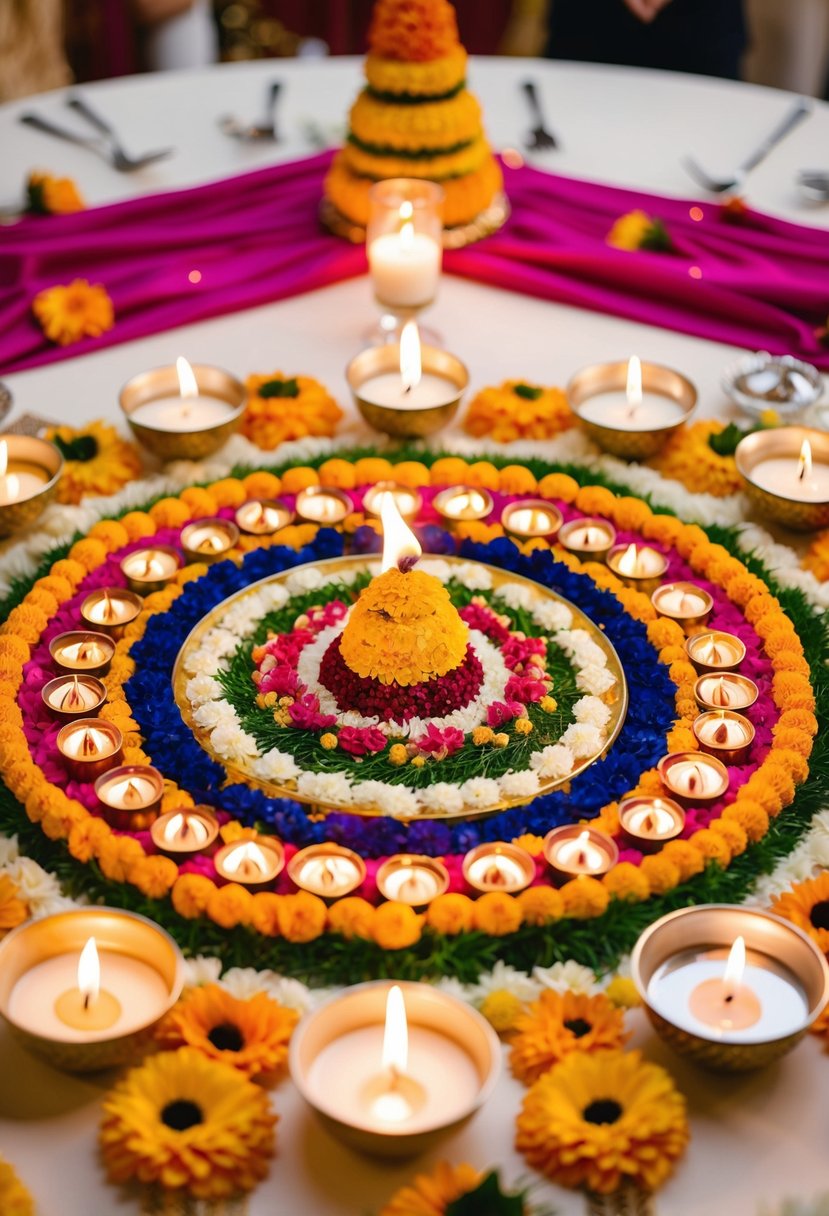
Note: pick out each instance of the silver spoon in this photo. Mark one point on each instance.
(814, 184)
(255, 132)
(103, 145)
(715, 185)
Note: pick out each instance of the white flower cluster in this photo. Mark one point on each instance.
(38, 889)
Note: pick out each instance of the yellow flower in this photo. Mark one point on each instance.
(637, 230)
(13, 910)
(302, 917)
(396, 926)
(47, 195)
(601, 1120)
(627, 882)
(282, 408)
(515, 410)
(188, 1124)
(807, 906)
(502, 1009)
(398, 755)
(78, 310)
(622, 992)
(352, 917)
(251, 1036)
(540, 905)
(419, 31)
(584, 897)
(230, 905)
(431, 1194)
(15, 1199)
(96, 461)
(497, 914)
(450, 914)
(559, 1023)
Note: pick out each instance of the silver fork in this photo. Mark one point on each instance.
(106, 145)
(717, 185)
(540, 138)
(253, 133)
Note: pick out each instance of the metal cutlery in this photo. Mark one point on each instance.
(716, 185)
(540, 138)
(105, 144)
(254, 133)
(814, 184)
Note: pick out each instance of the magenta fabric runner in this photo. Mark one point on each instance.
(743, 278)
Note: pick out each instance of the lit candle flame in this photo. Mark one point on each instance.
(89, 973)
(804, 462)
(633, 389)
(629, 561)
(108, 613)
(131, 795)
(91, 742)
(583, 843)
(400, 545)
(73, 698)
(248, 858)
(410, 365)
(494, 875)
(187, 385)
(177, 826)
(734, 968)
(395, 1034)
(720, 694)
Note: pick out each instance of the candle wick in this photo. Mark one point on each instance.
(729, 998)
(408, 389)
(581, 857)
(87, 995)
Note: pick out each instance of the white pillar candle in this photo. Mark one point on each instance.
(138, 988)
(404, 267)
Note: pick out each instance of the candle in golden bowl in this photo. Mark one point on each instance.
(693, 777)
(151, 569)
(725, 690)
(531, 517)
(263, 517)
(638, 566)
(407, 499)
(111, 609)
(90, 747)
(588, 538)
(574, 850)
(724, 734)
(131, 790)
(73, 696)
(715, 651)
(498, 866)
(102, 1012)
(389, 1069)
(185, 832)
(785, 472)
(686, 603)
(82, 651)
(405, 389)
(460, 504)
(183, 412)
(209, 540)
(732, 988)
(30, 470)
(252, 863)
(323, 505)
(648, 821)
(630, 408)
(412, 879)
(328, 870)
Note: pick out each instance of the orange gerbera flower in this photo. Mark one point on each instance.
(807, 906)
(77, 310)
(251, 1036)
(559, 1023)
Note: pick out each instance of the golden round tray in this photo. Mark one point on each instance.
(485, 223)
(616, 698)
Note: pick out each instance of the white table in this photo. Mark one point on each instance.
(755, 1138)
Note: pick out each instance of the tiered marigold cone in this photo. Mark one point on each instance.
(415, 118)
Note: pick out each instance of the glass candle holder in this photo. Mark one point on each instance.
(404, 248)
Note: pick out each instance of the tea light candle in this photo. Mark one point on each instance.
(111, 609)
(647, 822)
(19, 479)
(633, 409)
(404, 265)
(73, 696)
(410, 1062)
(131, 788)
(798, 478)
(724, 734)
(412, 879)
(588, 537)
(30, 470)
(209, 540)
(83, 651)
(327, 870)
(685, 603)
(185, 833)
(405, 390)
(252, 863)
(692, 777)
(148, 570)
(263, 517)
(324, 505)
(84, 988)
(498, 866)
(407, 500)
(190, 410)
(89, 747)
(715, 651)
(572, 850)
(638, 566)
(726, 691)
(463, 503)
(531, 517)
(412, 388)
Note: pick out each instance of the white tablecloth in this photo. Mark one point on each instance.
(758, 1137)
